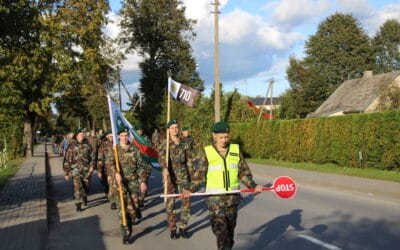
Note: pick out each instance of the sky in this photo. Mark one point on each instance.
(257, 37)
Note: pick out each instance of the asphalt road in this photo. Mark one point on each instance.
(328, 212)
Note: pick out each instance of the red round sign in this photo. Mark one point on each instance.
(284, 187)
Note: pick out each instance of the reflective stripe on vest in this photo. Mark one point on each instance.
(222, 174)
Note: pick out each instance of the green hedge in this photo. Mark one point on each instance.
(338, 139)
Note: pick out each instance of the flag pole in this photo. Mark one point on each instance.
(117, 166)
(120, 190)
(167, 129)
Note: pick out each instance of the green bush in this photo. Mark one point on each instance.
(339, 139)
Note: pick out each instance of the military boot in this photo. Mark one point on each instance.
(85, 201)
(113, 206)
(78, 207)
(125, 239)
(183, 233)
(174, 234)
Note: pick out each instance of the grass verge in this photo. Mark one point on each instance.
(9, 171)
(333, 169)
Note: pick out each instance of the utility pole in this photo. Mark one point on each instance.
(269, 90)
(216, 63)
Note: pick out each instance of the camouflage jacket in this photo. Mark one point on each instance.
(180, 162)
(245, 176)
(102, 154)
(132, 166)
(79, 155)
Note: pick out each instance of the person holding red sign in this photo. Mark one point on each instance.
(221, 168)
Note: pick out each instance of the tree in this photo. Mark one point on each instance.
(50, 48)
(339, 50)
(160, 33)
(386, 46)
(25, 65)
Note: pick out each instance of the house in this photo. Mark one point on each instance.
(259, 101)
(358, 95)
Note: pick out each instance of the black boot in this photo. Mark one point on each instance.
(85, 201)
(113, 206)
(183, 233)
(138, 213)
(125, 239)
(174, 235)
(78, 207)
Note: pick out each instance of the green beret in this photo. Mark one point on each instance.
(139, 126)
(79, 130)
(220, 127)
(185, 129)
(122, 129)
(172, 121)
(108, 132)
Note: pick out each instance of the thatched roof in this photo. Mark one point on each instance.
(355, 95)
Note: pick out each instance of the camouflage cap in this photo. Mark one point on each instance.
(79, 130)
(122, 129)
(220, 127)
(172, 121)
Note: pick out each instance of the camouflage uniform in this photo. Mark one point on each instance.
(143, 195)
(105, 168)
(79, 162)
(223, 208)
(180, 162)
(133, 172)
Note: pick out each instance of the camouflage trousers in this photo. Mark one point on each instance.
(130, 196)
(81, 185)
(172, 188)
(223, 223)
(112, 188)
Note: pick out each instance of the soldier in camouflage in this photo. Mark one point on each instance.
(188, 138)
(132, 176)
(176, 177)
(104, 171)
(222, 168)
(78, 163)
(140, 130)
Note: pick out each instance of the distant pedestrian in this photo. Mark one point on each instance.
(155, 138)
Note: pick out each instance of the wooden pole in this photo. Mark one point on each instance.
(167, 139)
(120, 189)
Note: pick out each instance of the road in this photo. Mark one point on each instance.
(326, 213)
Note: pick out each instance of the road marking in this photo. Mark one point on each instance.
(319, 242)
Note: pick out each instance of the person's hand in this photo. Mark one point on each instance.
(143, 187)
(185, 193)
(99, 175)
(66, 177)
(165, 175)
(258, 189)
(118, 178)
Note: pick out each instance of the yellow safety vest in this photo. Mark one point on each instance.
(223, 174)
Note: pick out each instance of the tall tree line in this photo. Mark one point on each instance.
(53, 51)
(338, 51)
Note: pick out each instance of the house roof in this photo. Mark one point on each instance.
(260, 100)
(355, 95)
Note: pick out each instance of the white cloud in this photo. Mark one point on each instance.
(373, 23)
(289, 13)
(359, 8)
